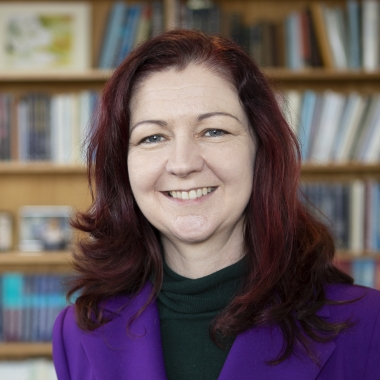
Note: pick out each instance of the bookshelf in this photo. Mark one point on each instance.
(40, 183)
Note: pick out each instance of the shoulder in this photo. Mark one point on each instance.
(353, 301)
(357, 347)
(69, 341)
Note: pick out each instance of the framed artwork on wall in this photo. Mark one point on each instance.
(53, 36)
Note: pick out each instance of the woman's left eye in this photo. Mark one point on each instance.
(214, 133)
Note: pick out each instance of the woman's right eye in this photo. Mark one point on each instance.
(152, 139)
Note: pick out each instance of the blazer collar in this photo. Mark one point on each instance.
(114, 355)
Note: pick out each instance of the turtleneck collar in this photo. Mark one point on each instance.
(204, 297)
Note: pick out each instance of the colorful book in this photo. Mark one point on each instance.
(112, 35)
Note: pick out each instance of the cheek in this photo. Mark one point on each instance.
(144, 171)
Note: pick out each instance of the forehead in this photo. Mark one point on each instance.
(193, 89)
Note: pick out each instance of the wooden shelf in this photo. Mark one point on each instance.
(277, 74)
(31, 262)
(318, 75)
(356, 169)
(90, 76)
(13, 167)
(24, 350)
(343, 255)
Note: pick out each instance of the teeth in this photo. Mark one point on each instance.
(192, 194)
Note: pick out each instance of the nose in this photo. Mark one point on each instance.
(184, 157)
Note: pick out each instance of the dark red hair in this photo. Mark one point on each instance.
(289, 252)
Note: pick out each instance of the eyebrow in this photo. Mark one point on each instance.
(201, 117)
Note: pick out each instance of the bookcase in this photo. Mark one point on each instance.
(38, 183)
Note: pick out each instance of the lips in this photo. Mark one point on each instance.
(192, 194)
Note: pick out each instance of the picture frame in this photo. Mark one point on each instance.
(6, 231)
(44, 228)
(49, 36)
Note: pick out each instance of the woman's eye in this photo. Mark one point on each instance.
(152, 139)
(214, 133)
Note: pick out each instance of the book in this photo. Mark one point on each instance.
(291, 109)
(336, 32)
(370, 34)
(356, 217)
(112, 35)
(351, 116)
(293, 33)
(144, 25)
(366, 129)
(317, 12)
(128, 33)
(353, 33)
(329, 120)
(306, 118)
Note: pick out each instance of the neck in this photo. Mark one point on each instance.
(195, 260)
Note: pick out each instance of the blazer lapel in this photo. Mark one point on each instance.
(115, 355)
(253, 348)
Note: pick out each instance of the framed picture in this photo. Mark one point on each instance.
(6, 231)
(44, 228)
(51, 36)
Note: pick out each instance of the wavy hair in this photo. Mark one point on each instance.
(289, 251)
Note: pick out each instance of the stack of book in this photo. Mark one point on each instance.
(45, 127)
(29, 306)
(339, 37)
(128, 25)
(320, 35)
(351, 210)
(334, 127)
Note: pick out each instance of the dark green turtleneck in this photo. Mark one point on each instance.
(187, 308)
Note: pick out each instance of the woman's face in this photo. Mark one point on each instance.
(191, 154)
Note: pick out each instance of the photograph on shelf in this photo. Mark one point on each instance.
(44, 228)
(6, 231)
(52, 36)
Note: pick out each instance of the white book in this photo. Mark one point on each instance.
(291, 107)
(329, 122)
(366, 128)
(335, 31)
(350, 121)
(85, 114)
(370, 34)
(356, 217)
(75, 129)
(65, 142)
(369, 151)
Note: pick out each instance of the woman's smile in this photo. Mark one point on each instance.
(191, 194)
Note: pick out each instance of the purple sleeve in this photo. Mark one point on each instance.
(69, 358)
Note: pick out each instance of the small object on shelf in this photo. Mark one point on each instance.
(44, 228)
(6, 231)
(44, 36)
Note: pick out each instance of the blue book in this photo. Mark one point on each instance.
(364, 272)
(353, 23)
(12, 306)
(306, 119)
(129, 32)
(112, 35)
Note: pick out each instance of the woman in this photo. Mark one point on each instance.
(201, 261)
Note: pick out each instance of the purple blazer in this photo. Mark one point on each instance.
(108, 353)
